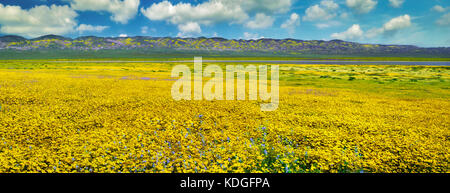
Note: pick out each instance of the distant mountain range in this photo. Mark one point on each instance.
(216, 44)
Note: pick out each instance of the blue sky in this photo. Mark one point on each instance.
(416, 22)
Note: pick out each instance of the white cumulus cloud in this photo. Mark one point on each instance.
(391, 27)
(361, 6)
(121, 10)
(90, 28)
(205, 13)
(439, 8)
(397, 23)
(37, 21)
(216, 11)
(291, 23)
(260, 21)
(294, 20)
(266, 6)
(189, 29)
(324, 11)
(352, 33)
(396, 3)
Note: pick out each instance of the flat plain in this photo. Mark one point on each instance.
(120, 117)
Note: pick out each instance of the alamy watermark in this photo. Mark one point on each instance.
(213, 89)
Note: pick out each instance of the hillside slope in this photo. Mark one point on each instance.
(272, 46)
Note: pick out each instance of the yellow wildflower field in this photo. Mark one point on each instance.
(120, 117)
